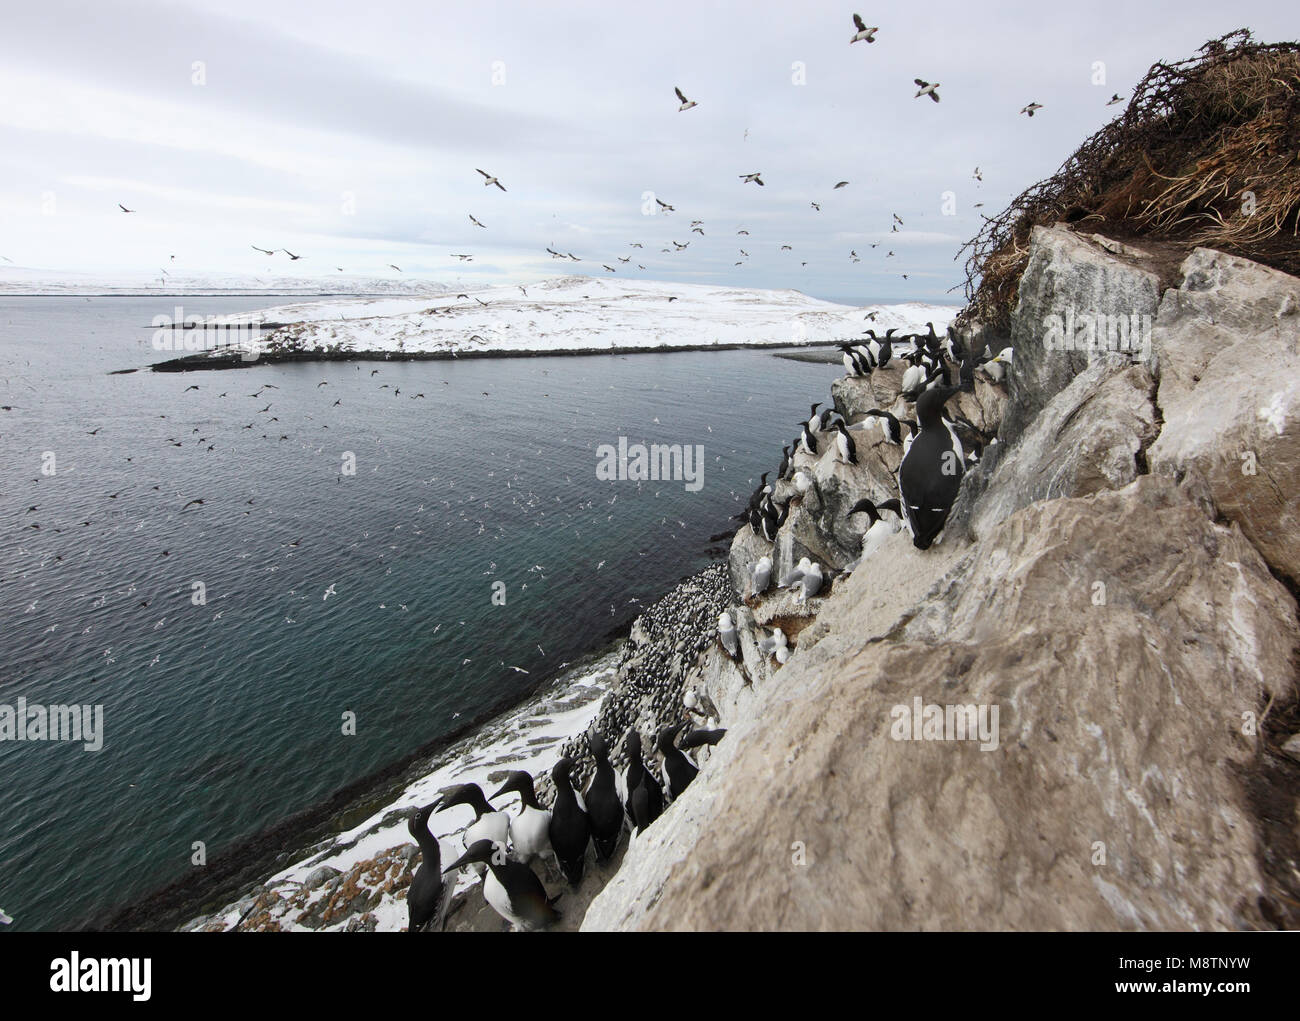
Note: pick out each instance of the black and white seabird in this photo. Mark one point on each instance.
(678, 770)
(569, 827)
(808, 440)
(530, 829)
(879, 530)
(511, 888)
(490, 180)
(869, 34)
(488, 824)
(1031, 107)
(752, 177)
(686, 103)
(845, 449)
(891, 427)
(697, 738)
(925, 88)
(476, 223)
(645, 799)
(428, 895)
(931, 470)
(604, 809)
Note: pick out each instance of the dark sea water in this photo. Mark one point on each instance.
(222, 718)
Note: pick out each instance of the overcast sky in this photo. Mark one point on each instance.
(349, 132)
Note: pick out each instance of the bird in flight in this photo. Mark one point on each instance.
(490, 180)
(977, 175)
(264, 251)
(1029, 109)
(398, 268)
(1116, 98)
(752, 177)
(816, 207)
(665, 206)
(476, 223)
(124, 209)
(869, 34)
(840, 184)
(686, 103)
(292, 257)
(924, 88)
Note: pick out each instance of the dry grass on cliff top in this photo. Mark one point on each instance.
(1196, 137)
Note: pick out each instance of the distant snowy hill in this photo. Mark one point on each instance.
(20, 280)
(578, 314)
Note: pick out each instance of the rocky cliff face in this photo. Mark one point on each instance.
(1112, 613)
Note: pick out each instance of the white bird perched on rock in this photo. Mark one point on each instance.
(802, 482)
(869, 34)
(997, 366)
(762, 575)
(727, 634)
(796, 573)
(769, 644)
(811, 582)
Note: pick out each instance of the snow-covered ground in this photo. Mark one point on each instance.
(528, 737)
(577, 313)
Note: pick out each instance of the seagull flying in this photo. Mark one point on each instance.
(490, 180)
(924, 88)
(868, 34)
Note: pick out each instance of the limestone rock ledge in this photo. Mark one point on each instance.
(1109, 586)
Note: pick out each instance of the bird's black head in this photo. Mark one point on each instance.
(418, 823)
(599, 749)
(632, 744)
(479, 851)
(560, 771)
(519, 782)
(929, 406)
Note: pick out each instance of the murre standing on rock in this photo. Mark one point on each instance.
(569, 828)
(930, 473)
(678, 770)
(511, 888)
(530, 829)
(604, 810)
(879, 530)
(428, 896)
(845, 449)
(890, 427)
(488, 824)
(645, 799)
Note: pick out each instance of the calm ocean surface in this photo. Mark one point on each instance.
(220, 719)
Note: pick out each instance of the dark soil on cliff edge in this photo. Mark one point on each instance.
(1207, 152)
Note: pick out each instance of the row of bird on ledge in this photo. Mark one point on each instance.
(929, 474)
(500, 848)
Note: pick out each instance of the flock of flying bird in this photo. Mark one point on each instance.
(862, 33)
(500, 848)
(929, 474)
